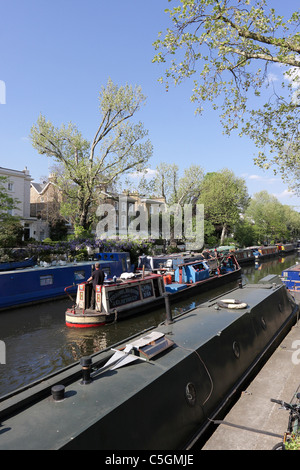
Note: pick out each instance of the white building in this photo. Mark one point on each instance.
(18, 187)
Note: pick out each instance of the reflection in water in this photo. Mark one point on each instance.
(39, 343)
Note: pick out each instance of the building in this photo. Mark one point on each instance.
(18, 187)
(131, 215)
(45, 201)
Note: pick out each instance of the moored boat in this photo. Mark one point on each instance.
(158, 390)
(47, 282)
(12, 265)
(169, 262)
(244, 255)
(263, 252)
(128, 297)
(116, 300)
(286, 248)
(291, 279)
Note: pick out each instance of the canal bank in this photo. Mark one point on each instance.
(254, 422)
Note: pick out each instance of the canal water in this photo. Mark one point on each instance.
(38, 342)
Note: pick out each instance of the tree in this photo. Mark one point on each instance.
(292, 219)
(118, 147)
(224, 197)
(229, 46)
(175, 189)
(268, 215)
(11, 229)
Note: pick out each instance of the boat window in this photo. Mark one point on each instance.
(46, 280)
(147, 290)
(79, 275)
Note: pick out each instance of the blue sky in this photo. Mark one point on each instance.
(56, 56)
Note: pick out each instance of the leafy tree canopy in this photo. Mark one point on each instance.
(119, 145)
(225, 197)
(228, 46)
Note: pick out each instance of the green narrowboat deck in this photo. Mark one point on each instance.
(161, 387)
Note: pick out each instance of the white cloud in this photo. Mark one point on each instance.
(265, 179)
(284, 194)
(149, 173)
(272, 78)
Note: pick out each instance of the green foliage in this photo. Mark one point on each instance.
(58, 229)
(120, 144)
(245, 234)
(11, 230)
(293, 443)
(271, 218)
(227, 47)
(47, 240)
(224, 197)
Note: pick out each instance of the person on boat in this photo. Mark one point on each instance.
(97, 279)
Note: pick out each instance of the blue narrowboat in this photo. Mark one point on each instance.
(40, 283)
(291, 279)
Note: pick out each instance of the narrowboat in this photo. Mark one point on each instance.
(115, 301)
(291, 279)
(245, 255)
(125, 297)
(12, 265)
(264, 252)
(286, 248)
(47, 282)
(169, 262)
(161, 263)
(158, 390)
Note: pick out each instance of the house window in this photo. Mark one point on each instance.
(10, 186)
(123, 221)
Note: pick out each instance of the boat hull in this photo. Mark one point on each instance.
(164, 403)
(39, 284)
(88, 319)
(83, 318)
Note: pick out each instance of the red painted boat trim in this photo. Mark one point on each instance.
(84, 325)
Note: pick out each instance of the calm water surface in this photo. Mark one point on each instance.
(38, 342)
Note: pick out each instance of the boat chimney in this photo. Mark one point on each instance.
(86, 363)
(58, 392)
(169, 318)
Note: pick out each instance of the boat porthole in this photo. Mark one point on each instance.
(263, 323)
(236, 349)
(190, 394)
